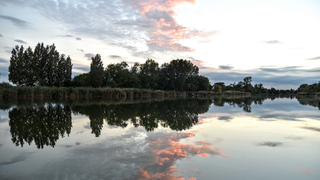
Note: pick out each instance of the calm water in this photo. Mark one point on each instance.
(239, 138)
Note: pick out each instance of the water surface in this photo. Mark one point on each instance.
(219, 138)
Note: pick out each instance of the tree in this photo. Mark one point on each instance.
(203, 83)
(174, 74)
(30, 72)
(51, 68)
(68, 72)
(81, 80)
(149, 74)
(44, 66)
(96, 71)
(247, 84)
(16, 65)
(217, 88)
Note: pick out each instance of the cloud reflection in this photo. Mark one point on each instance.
(168, 150)
(271, 144)
(312, 128)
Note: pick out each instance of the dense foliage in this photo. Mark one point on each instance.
(177, 75)
(309, 89)
(44, 66)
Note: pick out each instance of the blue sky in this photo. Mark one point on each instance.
(275, 42)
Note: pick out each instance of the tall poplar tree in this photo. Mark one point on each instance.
(96, 71)
(44, 66)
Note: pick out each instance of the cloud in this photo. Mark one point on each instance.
(225, 118)
(277, 116)
(80, 50)
(304, 171)
(78, 39)
(198, 63)
(3, 71)
(83, 68)
(3, 60)
(20, 41)
(1, 145)
(152, 155)
(271, 144)
(272, 42)
(67, 35)
(80, 132)
(16, 21)
(315, 58)
(115, 57)
(89, 55)
(87, 126)
(312, 128)
(168, 33)
(225, 67)
(1, 35)
(168, 150)
(67, 146)
(18, 158)
(8, 49)
(293, 137)
(146, 29)
(279, 78)
(281, 69)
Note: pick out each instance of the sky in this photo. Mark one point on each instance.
(276, 42)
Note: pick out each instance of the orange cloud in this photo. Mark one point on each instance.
(171, 174)
(203, 155)
(168, 33)
(167, 150)
(201, 121)
(304, 171)
(220, 139)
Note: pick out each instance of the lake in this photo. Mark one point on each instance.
(215, 138)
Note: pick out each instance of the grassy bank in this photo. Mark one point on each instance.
(24, 92)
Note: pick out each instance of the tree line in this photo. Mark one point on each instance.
(246, 86)
(309, 88)
(42, 67)
(177, 75)
(45, 66)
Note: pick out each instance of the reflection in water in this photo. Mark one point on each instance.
(167, 150)
(41, 124)
(137, 153)
(176, 114)
(242, 102)
(44, 123)
(312, 101)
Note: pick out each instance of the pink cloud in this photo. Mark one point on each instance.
(167, 150)
(304, 171)
(168, 33)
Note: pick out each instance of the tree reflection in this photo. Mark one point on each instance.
(242, 102)
(312, 101)
(179, 114)
(43, 124)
